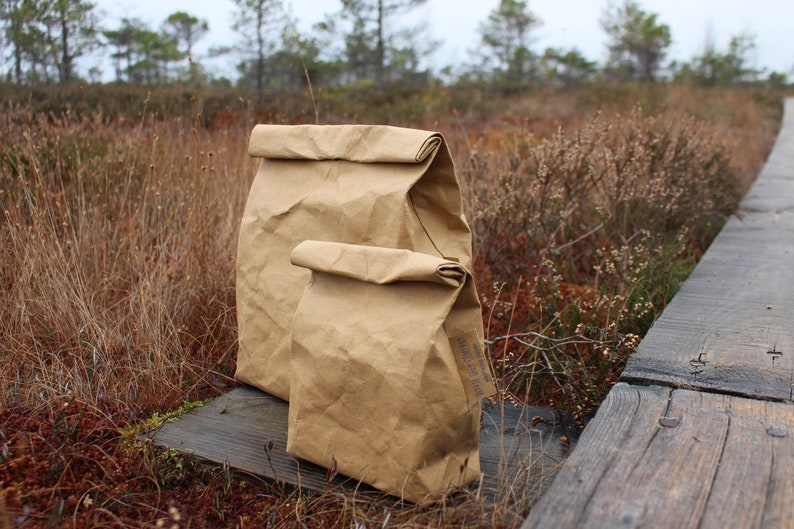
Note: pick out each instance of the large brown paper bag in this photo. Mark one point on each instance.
(387, 368)
(358, 184)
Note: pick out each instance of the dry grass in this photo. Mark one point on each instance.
(118, 259)
(117, 245)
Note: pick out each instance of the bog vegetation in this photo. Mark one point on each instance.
(592, 189)
(120, 209)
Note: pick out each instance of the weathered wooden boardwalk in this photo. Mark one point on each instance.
(700, 431)
(246, 430)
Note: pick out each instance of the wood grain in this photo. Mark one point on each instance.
(615, 439)
(748, 448)
(779, 508)
(670, 483)
(714, 464)
(246, 429)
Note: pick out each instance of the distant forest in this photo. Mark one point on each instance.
(360, 45)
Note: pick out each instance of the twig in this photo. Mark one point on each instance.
(560, 248)
(576, 338)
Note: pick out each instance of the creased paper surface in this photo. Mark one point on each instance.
(357, 184)
(376, 387)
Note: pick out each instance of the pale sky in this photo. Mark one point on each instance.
(565, 23)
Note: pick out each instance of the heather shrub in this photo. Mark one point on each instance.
(589, 233)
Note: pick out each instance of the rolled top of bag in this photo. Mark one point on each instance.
(377, 265)
(355, 143)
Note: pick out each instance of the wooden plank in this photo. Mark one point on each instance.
(718, 331)
(779, 508)
(728, 328)
(670, 483)
(521, 450)
(703, 460)
(246, 429)
(520, 447)
(621, 428)
(739, 496)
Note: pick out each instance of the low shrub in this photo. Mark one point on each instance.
(588, 230)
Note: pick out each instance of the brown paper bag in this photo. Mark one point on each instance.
(358, 184)
(387, 368)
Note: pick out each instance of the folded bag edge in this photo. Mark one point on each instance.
(376, 264)
(355, 143)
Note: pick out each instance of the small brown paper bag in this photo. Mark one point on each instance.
(358, 184)
(387, 368)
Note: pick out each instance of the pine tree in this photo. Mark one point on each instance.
(506, 37)
(638, 42)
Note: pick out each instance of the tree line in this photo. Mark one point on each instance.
(360, 44)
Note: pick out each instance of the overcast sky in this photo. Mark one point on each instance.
(565, 23)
